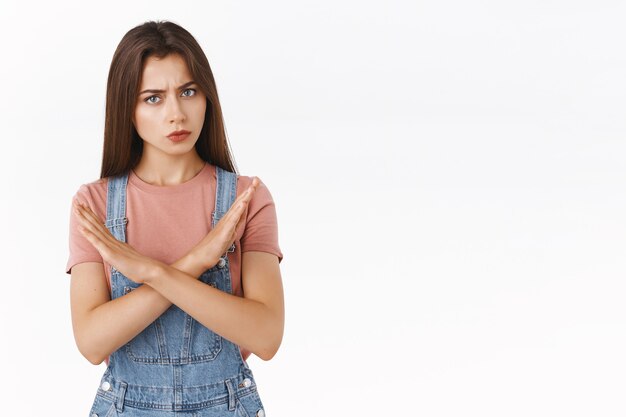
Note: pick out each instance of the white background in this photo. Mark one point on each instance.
(449, 181)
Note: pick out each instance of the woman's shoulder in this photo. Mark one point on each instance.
(94, 186)
(93, 193)
(262, 197)
(244, 181)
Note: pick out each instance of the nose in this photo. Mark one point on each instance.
(175, 111)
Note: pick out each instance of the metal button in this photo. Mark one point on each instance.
(260, 413)
(221, 263)
(247, 382)
(106, 386)
(94, 415)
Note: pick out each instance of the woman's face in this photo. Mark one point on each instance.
(180, 105)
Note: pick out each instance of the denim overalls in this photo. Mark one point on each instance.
(175, 366)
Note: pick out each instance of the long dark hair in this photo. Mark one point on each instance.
(122, 145)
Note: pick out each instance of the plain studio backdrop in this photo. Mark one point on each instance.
(449, 181)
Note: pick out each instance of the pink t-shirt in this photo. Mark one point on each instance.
(165, 222)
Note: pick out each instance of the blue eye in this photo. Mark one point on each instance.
(149, 99)
(191, 89)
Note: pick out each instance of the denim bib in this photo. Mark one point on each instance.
(176, 365)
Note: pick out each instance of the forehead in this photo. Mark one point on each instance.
(160, 72)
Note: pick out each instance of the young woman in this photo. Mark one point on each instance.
(174, 257)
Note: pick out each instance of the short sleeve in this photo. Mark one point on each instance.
(80, 249)
(261, 228)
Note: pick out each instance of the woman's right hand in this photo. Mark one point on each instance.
(221, 237)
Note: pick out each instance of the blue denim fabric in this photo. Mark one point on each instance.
(176, 366)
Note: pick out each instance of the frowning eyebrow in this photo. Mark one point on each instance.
(187, 84)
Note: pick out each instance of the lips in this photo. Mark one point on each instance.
(179, 133)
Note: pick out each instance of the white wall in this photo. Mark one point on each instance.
(449, 180)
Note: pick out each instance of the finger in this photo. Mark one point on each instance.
(241, 221)
(95, 241)
(237, 207)
(107, 245)
(254, 185)
(96, 237)
(244, 195)
(92, 218)
(244, 198)
(233, 214)
(239, 214)
(93, 224)
(89, 219)
(252, 188)
(247, 193)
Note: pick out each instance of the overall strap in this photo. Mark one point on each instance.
(225, 196)
(116, 208)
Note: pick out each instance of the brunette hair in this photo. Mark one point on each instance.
(122, 145)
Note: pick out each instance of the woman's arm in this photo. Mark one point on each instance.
(255, 322)
(102, 325)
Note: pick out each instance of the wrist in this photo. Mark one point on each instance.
(155, 271)
(202, 260)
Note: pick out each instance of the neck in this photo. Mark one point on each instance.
(172, 171)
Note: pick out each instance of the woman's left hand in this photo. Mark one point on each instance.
(120, 255)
